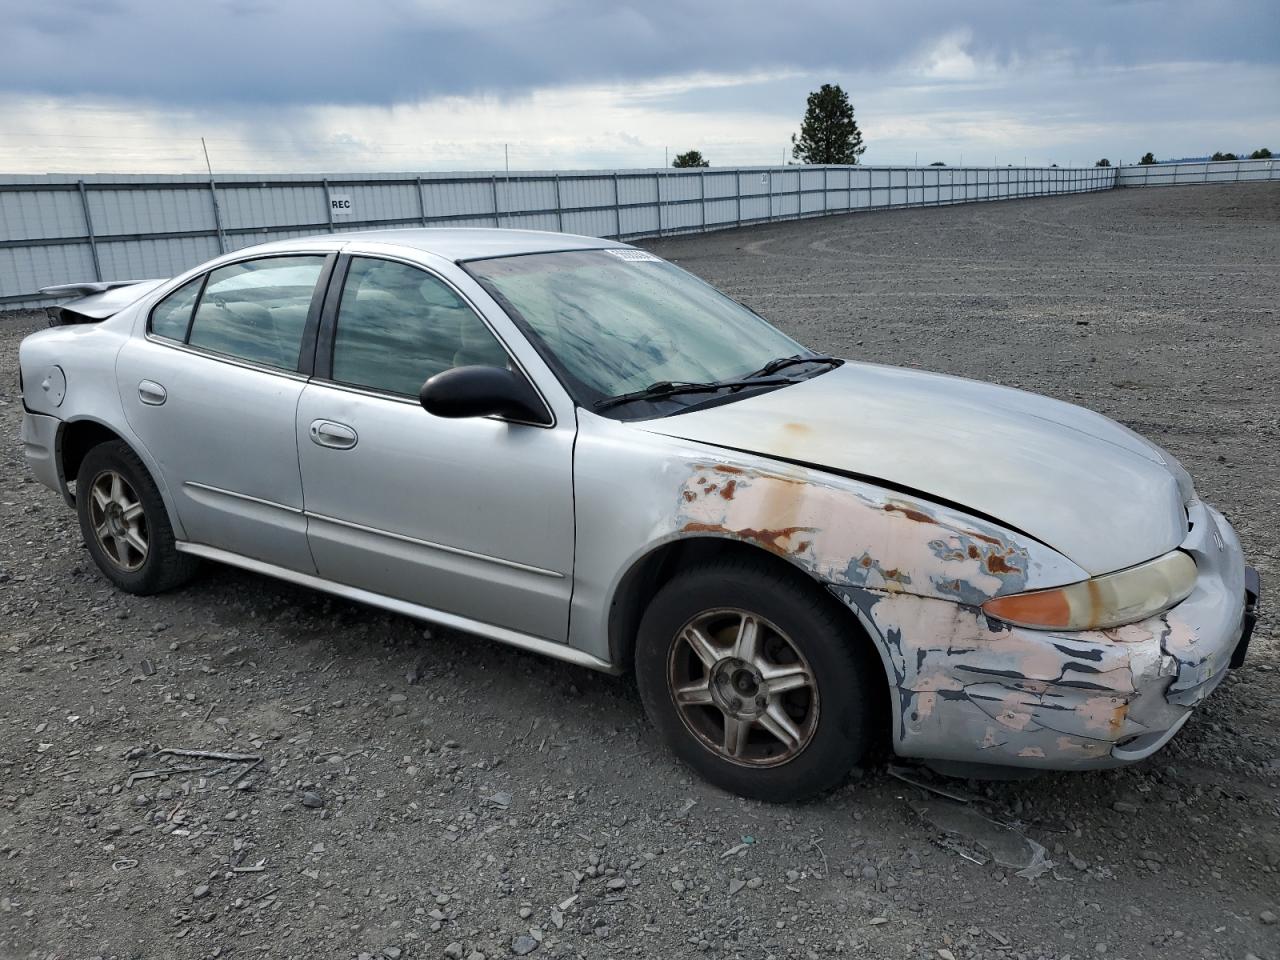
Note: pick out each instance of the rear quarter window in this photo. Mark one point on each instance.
(171, 317)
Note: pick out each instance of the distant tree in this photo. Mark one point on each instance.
(1224, 156)
(937, 163)
(1262, 153)
(828, 133)
(690, 158)
(1104, 162)
(1148, 159)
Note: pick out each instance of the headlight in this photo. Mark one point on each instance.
(1107, 601)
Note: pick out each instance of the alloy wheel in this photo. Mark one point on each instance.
(742, 688)
(118, 519)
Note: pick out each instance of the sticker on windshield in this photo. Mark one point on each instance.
(634, 256)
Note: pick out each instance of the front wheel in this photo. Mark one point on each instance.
(756, 679)
(124, 522)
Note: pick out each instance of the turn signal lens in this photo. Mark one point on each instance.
(1107, 601)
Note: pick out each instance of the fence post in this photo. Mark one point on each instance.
(497, 218)
(657, 186)
(799, 198)
(737, 182)
(328, 203)
(217, 215)
(559, 208)
(702, 196)
(422, 201)
(617, 207)
(88, 225)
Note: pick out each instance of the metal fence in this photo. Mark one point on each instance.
(59, 229)
(1207, 171)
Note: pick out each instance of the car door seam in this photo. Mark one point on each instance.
(302, 482)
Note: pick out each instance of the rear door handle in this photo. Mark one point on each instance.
(338, 436)
(152, 393)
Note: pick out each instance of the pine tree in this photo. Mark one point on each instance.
(690, 158)
(828, 133)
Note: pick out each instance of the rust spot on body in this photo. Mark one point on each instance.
(911, 514)
(726, 468)
(728, 489)
(769, 539)
(997, 564)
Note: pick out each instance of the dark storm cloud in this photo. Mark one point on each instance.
(296, 52)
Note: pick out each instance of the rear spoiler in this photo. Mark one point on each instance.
(95, 300)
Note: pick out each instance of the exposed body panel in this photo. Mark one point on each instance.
(972, 689)
(636, 490)
(1065, 475)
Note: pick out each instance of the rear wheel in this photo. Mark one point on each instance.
(125, 524)
(754, 678)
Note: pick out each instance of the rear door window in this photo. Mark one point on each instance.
(256, 310)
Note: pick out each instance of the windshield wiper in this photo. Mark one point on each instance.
(773, 366)
(666, 388)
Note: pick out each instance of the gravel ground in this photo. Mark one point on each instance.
(428, 794)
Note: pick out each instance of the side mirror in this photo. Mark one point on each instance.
(482, 392)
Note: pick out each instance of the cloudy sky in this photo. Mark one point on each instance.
(313, 85)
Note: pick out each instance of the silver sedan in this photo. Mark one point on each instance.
(571, 446)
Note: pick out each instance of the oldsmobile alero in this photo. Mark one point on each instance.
(569, 445)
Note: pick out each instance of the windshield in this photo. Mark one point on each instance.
(619, 320)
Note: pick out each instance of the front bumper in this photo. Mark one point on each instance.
(40, 447)
(976, 691)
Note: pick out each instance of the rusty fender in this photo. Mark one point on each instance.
(849, 533)
(966, 687)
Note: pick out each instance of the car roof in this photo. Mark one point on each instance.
(452, 243)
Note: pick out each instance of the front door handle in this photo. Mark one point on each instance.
(152, 393)
(339, 436)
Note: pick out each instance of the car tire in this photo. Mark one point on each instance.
(803, 645)
(125, 524)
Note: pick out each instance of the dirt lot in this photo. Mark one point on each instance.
(425, 794)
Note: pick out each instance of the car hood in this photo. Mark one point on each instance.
(1085, 485)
